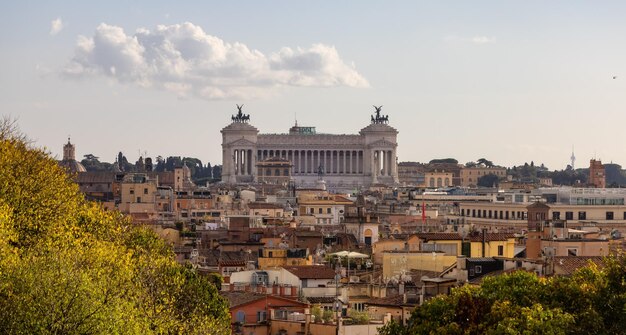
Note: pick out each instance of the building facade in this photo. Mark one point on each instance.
(352, 160)
(438, 179)
(470, 175)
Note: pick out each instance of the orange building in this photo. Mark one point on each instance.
(597, 178)
(250, 311)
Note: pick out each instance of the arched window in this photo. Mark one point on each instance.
(277, 172)
(432, 182)
(447, 182)
(439, 184)
(240, 317)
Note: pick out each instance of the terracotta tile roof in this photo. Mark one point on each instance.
(311, 271)
(264, 205)
(339, 198)
(569, 264)
(232, 263)
(238, 298)
(95, 177)
(166, 178)
(320, 300)
(472, 237)
(308, 233)
(396, 300)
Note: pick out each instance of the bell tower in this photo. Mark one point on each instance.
(69, 151)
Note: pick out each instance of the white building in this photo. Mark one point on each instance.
(351, 160)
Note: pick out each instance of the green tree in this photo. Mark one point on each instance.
(360, 318)
(444, 160)
(485, 162)
(392, 328)
(316, 311)
(592, 301)
(68, 267)
(489, 180)
(217, 172)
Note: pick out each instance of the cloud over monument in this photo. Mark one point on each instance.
(183, 59)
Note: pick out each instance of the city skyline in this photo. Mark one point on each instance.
(512, 84)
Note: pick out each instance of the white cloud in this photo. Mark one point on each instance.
(483, 39)
(475, 39)
(183, 59)
(56, 26)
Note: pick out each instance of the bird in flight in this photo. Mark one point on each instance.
(614, 77)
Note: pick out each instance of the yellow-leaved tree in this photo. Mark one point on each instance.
(68, 267)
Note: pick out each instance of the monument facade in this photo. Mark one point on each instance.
(362, 159)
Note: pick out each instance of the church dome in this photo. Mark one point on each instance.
(72, 166)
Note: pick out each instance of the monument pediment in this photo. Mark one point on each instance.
(242, 142)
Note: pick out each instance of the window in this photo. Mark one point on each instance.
(261, 316)
(572, 252)
(327, 210)
(145, 191)
(624, 215)
(569, 215)
(312, 210)
(609, 215)
(277, 172)
(556, 215)
(139, 200)
(582, 215)
(286, 172)
(240, 317)
(132, 191)
(500, 250)
(478, 269)
(319, 210)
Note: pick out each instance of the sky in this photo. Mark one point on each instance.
(512, 82)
